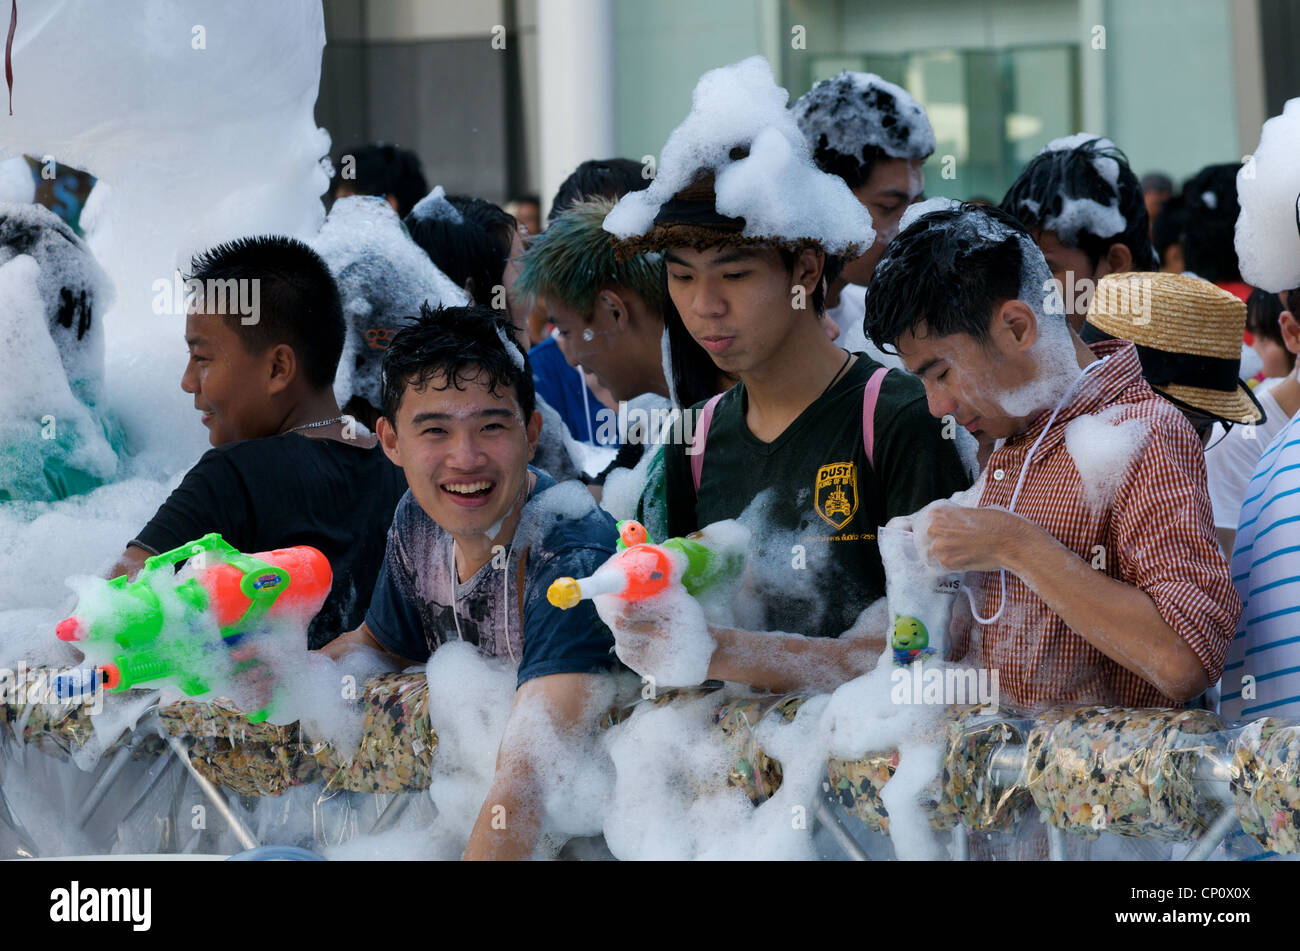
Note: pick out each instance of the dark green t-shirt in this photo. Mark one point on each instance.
(814, 564)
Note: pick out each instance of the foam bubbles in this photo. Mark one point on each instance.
(435, 206)
(854, 110)
(16, 181)
(1103, 445)
(383, 278)
(1268, 188)
(776, 188)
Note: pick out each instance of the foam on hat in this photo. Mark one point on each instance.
(776, 188)
(854, 110)
(1268, 188)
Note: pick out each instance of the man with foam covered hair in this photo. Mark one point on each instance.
(474, 546)
(1093, 573)
(815, 446)
(1084, 206)
(875, 136)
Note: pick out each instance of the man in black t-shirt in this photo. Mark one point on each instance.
(786, 446)
(287, 468)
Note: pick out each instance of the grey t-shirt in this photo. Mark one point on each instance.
(561, 533)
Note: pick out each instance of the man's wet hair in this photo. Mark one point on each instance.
(298, 301)
(598, 178)
(947, 272)
(383, 169)
(472, 251)
(1210, 197)
(460, 345)
(1056, 176)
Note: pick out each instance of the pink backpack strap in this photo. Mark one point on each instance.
(699, 438)
(870, 394)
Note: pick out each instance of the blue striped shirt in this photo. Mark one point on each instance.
(1262, 677)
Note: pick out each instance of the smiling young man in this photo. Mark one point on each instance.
(1096, 575)
(478, 540)
(287, 468)
(875, 136)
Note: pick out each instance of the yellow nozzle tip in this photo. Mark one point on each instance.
(564, 593)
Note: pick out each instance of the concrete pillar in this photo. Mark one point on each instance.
(575, 86)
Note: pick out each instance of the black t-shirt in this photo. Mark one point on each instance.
(263, 494)
(814, 564)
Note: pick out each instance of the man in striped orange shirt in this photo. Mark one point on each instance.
(1093, 572)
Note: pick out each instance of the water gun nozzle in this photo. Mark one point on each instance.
(70, 629)
(564, 593)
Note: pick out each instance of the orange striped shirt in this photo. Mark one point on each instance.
(1156, 532)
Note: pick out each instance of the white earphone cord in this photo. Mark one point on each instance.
(505, 588)
(1015, 494)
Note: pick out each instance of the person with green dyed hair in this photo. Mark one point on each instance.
(608, 313)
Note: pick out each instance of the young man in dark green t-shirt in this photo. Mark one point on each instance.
(787, 443)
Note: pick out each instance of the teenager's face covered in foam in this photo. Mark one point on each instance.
(973, 380)
(464, 452)
(737, 302)
(233, 387)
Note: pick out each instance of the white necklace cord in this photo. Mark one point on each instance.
(505, 587)
(1015, 494)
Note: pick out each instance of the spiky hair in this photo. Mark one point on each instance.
(574, 258)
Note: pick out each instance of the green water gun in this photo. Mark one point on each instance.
(146, 641)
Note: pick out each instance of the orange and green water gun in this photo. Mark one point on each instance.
(642, 568)
(144, 637)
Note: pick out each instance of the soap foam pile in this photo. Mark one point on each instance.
(383, 278)
(1268, 188)
(1103, 445)
(776, 188)
(251, 71)
(52, 301)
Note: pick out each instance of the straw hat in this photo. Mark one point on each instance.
(1188, 334)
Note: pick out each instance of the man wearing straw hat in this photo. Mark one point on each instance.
(1093, 573)
(1186, 332)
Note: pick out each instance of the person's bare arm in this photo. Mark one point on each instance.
(785, 663)
(765, 660)
(361, 637)
(131, 561)
(555, 706)
(1227, 537)
(1118, 619)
